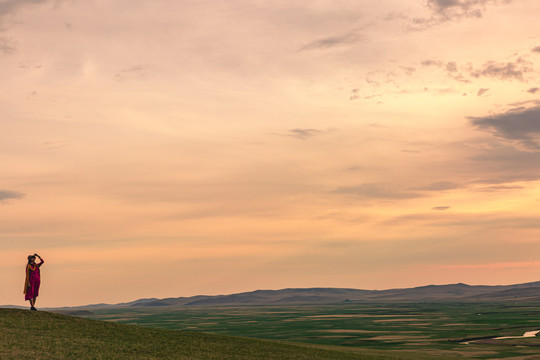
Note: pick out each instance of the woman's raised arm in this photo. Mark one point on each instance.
(40, 259)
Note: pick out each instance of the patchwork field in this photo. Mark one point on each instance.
(465, 329)
(42, 335)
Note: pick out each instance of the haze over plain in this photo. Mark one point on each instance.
(175, 148)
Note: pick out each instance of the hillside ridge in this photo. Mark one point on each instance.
(325, 295)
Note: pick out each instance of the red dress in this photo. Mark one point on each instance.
(33, 280)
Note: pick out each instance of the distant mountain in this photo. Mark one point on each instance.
(168, 301)
(529, 292)
(13, 307)
(285, 296)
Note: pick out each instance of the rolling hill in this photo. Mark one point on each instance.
(41, 335)
(453, 292)
(527, 292)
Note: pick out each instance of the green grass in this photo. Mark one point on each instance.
(42, 335)
(420, 328)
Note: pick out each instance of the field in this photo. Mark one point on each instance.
(41, 335)
(462, 330)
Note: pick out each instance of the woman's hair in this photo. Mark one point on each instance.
(30, 257)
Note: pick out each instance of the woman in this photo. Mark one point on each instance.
(31, 285)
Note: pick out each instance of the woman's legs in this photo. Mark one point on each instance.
(32, 303)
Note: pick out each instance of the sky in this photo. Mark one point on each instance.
(175, 148)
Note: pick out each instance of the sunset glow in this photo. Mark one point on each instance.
(174, 148)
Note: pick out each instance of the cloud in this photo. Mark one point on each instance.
(408, 70)
(443, 11)
(440, 208)
(509, 70)
(522, 125)
(479, 221)
(356, 168)
(332, 41)
(496, 188)
(56, 144)
(302, 134)
(432, 63)
(520, 105)
(496, 266)
(498, 166)
(445, 91)
(533, 90)
(377, 191)
(536, 49)
(136, 71)
(8, 195)
(503, 162)
(482, 91)
(440, 186)
(9, 7)
(450, 67)
(7, 45)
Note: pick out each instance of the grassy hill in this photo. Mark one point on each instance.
(41, 335)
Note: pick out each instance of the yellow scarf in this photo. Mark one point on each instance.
(29, 268)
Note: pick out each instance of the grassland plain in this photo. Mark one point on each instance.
(41, 335)
(439, 329)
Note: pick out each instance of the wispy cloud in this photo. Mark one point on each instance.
(7, 45)
(520, 125)
(503, 70)
(332, 41)
(500, 165)
(482, 91)
(509, 70)
(301, 134)
(478, 220)
(496, 188)
(9, 7)
(496, 266)
(451, 68)
(440, 208)
(136, 71)
(408, 70)
(9, 195)
(432, 63)
(56, 144)
(381, 191)
(443, 11)
(440, 186)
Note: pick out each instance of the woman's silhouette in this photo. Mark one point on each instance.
(33, 280)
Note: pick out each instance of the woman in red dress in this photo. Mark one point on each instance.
(33, 280)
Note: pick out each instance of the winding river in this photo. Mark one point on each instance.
(528, 334)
